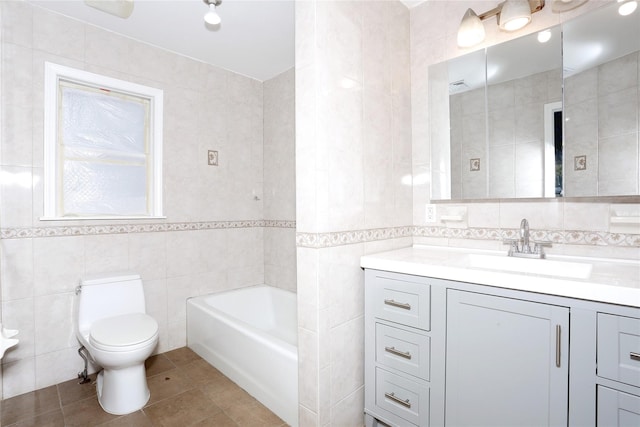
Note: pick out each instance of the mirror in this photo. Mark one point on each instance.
(496, 115)
(601, 82)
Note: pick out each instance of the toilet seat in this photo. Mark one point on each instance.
(126, 332)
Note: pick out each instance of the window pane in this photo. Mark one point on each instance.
(104, 189)
(103, 121)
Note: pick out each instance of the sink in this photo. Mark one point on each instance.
(546, 267)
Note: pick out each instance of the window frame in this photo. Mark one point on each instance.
(53, 163)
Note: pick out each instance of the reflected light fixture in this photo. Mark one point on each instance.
(544, 36)
(627, 7)
(212, 17)
(511, 15)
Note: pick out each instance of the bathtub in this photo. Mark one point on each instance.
(250, 335)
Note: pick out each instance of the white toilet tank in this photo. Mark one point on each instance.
(107, 295)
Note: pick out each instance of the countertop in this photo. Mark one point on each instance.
(611, 280)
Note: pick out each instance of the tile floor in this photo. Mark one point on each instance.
(185, 391)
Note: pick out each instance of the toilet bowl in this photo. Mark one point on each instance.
(119, 336)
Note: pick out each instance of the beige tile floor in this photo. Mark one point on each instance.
(185, 391)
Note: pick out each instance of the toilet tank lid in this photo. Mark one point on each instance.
(120, 276)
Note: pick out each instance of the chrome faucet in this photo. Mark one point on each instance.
(524, 236)
(522, 247)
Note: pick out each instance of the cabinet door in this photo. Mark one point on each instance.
(617, 409)
(506, 362)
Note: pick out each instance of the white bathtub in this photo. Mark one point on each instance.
(250, 335)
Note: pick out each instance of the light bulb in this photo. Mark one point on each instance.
(514, 15)
(212, 16)
(471, 31)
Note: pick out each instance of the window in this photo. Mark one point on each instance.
(103, 147)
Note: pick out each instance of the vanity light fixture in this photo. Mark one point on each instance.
(511, 15)
(212, 17)
(627, 7)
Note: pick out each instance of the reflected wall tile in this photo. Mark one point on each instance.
(16, 275)
(618, 113)
(529, 124)
(618, 158)
(617, 75)
(580, 87)
(500, 96)
(58, 264)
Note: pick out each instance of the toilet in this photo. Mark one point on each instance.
(112, 325)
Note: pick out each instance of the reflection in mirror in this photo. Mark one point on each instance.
(601, 83)
(524, 78)
(494, 118)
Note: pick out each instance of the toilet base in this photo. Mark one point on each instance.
(123, 391)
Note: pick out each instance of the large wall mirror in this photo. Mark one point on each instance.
(550, 114)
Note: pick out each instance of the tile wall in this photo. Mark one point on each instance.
(227, 226)
(353, 186)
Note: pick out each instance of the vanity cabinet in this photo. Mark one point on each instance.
(506, 361)
(618, 361)
(448, 353)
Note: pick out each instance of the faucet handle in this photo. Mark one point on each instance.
(540, 245)
(513, 245)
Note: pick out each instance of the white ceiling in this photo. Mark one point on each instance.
(255, 38)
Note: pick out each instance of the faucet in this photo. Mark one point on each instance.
(522, 247)
(524, 236)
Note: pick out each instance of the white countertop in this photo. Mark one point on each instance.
(611, 280)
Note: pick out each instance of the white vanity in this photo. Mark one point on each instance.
(475, 338)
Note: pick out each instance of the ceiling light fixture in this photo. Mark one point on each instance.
(627, 7)
(511, 15)
(212, 17)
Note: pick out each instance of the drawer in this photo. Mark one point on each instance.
(402, 397)
(403, 350)
(616, 408)
(402, 301)
(619, 348)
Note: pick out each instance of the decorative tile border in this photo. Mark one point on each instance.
(593, 238)
(326, 240)
(88, 230)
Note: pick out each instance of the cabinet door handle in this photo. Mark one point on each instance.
(634, 356)
(396, 399)
(392, 350)
(393, 303)
(558, 344)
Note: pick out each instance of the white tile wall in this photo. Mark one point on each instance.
(216, 235)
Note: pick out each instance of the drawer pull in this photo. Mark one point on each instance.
(393, 303)
(558, 344)
(393, 350)
(634, 356)
(393, 397)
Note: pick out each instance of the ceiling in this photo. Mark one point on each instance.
(255, 38)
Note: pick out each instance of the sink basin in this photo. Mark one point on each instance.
(547, 267)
